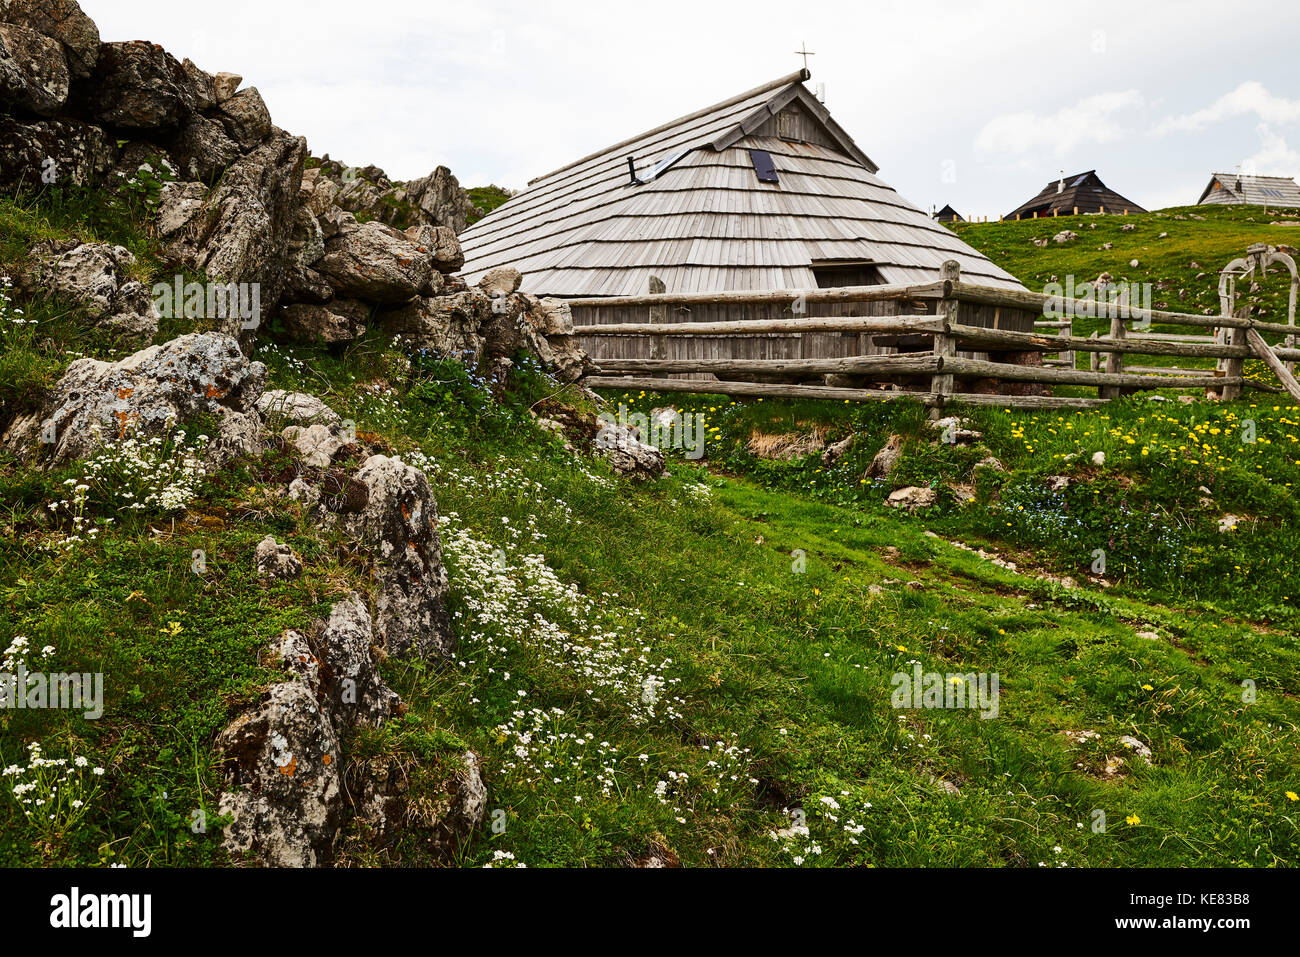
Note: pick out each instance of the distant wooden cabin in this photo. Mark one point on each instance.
(763, 191)
(1071, 195)
(948, 215)
(1235, 189)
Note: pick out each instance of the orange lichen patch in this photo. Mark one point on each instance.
(123, 419)
(326, 760)
(289, 769)
(215, 393)
(125, 392)
(406, 512)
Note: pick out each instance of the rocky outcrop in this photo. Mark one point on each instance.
(146, 394)
(94, 277)
(441, 199)
(46, 152)
(33, 72)
(339, 320)
(61, 20)
(136, 85)
(375, 262)
(399, 528)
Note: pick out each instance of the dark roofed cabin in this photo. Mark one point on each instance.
(1072, 195)
(948, 215)
(761, 192)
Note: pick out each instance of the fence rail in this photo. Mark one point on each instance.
(937, 375)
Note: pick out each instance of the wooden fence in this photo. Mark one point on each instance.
(938, 375)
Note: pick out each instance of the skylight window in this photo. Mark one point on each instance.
(764, 168)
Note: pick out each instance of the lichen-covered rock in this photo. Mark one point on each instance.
(502, 281)
(444, 325)
(202, 83)
(247, 220)
(246, 117)
(276, 560)
(202, 149)
(316, 444)
(225, 85)
(376, 263)
(61, 20)
(439, 197)
(282, 780)
(33, 72)
(628, 455)
(94, 277)
(399, 525)
(179, 203)
(884, 461)
(147, 393)
(444, 806)
(53, 152)
(912, 497)
(239, 435)
(441, 244)
(137, 85)
(307, 242)
(353, 691)
(339, 320)
(295, 408)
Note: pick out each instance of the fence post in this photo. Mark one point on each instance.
(658, 316)
(945, 346)
(1115, 360)
(1234, 367)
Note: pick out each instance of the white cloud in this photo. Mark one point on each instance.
(1249, 98)
(1274, 158)
(1017, 137)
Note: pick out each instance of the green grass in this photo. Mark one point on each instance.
(776, 600)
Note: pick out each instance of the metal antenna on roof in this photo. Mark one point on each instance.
(804, 52)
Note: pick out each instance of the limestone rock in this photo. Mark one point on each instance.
(33, 72)
(202, 149)
(439, 197)
(628, 455)
(149, 393)
(911, 498)
(94, 277)
(341, 320)
(239, 435)
(138, 85)
(502, 281)
(283, 780)
(202, 83)
(317, 444)
(276, 560)
(225, 85)
(61, 20)
(58, 152)
(399, 525)
(296, 408)
(441, 243)
(886, 459)
(246, 118)
(375, 262)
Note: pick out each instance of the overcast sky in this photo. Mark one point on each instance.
(977, 104)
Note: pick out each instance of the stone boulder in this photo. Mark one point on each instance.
(246, 118)
(148, 393)
(202, 149)
(912, 498)
(225, 85)
(94, 276)
(351, 689)
(444, 325)
(886, 459)
(283, 780)
(399, 528)
(137, 85)
(375, 262)
(316, 444)
(276, 560)
(440, 243)
(296, 408)
(61, 20)
(340, 320)
(246, 222)
(33, 73)
(502, 281)
(54, 152)
(239, 435)
(439, 197)
(627, 455)
(203, 84)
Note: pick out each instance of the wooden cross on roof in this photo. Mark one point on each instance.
(804, 52)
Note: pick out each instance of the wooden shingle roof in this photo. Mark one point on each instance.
(1082, 191)
(700, 219)
(1235, 188)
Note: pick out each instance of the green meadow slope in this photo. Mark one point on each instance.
(701, 669)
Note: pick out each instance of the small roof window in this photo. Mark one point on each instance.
(764, 168)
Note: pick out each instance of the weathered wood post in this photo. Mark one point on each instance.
(945, 346)
(1115, 360)
(658, 316)
(1234, 366)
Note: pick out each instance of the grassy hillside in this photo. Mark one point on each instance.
(699, 669)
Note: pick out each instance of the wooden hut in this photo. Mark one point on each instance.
(1073, 195)
(1235, 189)
(948, 215)
(763, 191)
